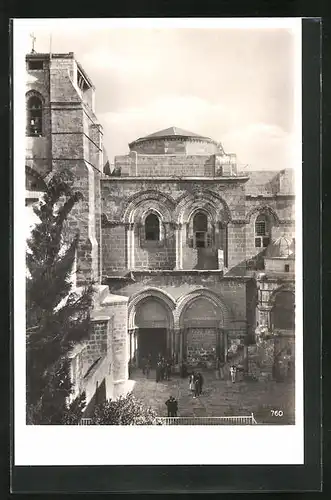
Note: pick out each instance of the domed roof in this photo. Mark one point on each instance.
(173, 131)
(174, 140)
(281, 248)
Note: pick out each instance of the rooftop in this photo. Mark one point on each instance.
(172, 132)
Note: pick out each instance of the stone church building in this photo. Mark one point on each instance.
(192, 257)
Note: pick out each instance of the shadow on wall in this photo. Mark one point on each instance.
(206, 259)
(256, 263)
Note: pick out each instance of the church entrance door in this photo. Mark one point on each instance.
(151, 341)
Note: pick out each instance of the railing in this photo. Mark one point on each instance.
(241, 420)
(85, 421)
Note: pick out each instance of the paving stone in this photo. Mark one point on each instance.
(219, 397)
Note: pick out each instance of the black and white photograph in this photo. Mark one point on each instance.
(157, 191)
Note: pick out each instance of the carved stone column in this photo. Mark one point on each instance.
(179, 245)
(130, 246)
(225, 344)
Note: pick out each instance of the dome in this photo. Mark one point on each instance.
(175, 140)
(281, 248)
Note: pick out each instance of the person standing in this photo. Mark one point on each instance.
(169, 405)
(158, 371)
(196, 387)
(233, 372)
(191, 381)
(148, 368)
(217, 368)
(200, 382)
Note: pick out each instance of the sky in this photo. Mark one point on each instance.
(233, 85)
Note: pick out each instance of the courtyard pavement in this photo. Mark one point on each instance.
(219, 397)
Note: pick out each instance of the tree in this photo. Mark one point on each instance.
(125, 410)
(57, 317)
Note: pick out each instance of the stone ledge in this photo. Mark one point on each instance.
(114, 300)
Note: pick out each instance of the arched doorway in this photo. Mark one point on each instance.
(153, 321)
(202, 323)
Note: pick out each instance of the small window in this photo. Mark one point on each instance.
(152, 228)
(262, 232)
(260, 228)
(287, 268)
(34, 116)
(35, 65)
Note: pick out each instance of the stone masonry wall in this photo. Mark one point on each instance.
(97, 342)
(171, 165)
(113, 249)
(77, 145)
(233, 291)
(115, 198)
(174, 146)
(154, 254)
(120, 348)
(236, 246)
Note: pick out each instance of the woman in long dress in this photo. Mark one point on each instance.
(191, 382)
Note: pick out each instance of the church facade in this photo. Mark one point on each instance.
(192, 256)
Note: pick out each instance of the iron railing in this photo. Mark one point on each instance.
(238, 420)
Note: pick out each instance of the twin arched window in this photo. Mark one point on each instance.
(152, 228)
(34, 126)
(262, 231)
(200, 230)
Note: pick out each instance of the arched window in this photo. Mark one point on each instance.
(152, 228)
(200, 230)
(262, 231)
(34, 116)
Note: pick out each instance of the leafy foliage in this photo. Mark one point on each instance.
(126, 410)
(57, 317)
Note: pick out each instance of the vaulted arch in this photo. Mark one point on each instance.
(203, 199)
(138, 203)
(151, 293)
(262, 210)
(184, 302)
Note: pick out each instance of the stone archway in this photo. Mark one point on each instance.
(151, 326)
(203, 320)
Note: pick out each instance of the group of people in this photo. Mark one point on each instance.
(223, 370)
(196, 384)
(163, 369)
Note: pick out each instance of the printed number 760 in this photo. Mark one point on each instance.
(277, 413)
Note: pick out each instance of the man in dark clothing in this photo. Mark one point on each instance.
(172, 407)
(175, 408)
(167, 369)
(200, 382)
(183, 370)
(196, 386)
